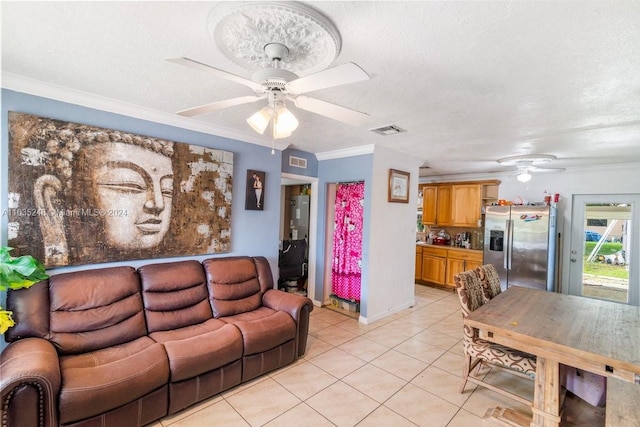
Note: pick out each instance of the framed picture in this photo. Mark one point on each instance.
(255, 191)
(398, 186)
(89, 195)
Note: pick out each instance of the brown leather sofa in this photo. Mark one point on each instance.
(124, 347)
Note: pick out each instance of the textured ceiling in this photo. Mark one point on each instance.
(470, 82)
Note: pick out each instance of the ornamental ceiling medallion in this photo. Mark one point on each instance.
(241, 32)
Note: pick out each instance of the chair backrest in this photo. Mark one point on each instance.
(293, 254)
(469, 291)
(490, 281)
(470, 294)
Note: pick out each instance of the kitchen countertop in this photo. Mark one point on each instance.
(447, 247)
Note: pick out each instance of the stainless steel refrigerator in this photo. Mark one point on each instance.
(520, 241)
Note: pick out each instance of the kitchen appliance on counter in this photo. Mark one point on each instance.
(520, 242)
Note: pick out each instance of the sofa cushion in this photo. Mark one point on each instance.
(197, 349)
(174, 294)
(94, 309)
(263, 329)
(234, 285)
(101, 380)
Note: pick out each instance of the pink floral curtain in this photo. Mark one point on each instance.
(347, 241)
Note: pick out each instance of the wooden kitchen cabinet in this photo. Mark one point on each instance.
(466, 205)
(444, 206)
(418, 262)
(436, 205)
(434, 265)
(457, 204)
(429, 204)
(459, 260)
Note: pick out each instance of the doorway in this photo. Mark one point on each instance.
(294, 185)
(343, 247)
(604, 242)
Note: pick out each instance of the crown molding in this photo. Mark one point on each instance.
(85, 99)
(346, 152)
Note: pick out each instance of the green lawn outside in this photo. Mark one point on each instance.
(601, 268)
(608, 248)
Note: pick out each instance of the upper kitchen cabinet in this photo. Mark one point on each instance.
(466, 205)
(436, 201)
(457, 204)
(429, 201)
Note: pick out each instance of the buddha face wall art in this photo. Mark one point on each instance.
(80, 194)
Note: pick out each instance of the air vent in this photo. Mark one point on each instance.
(388, 130)
(297, 162)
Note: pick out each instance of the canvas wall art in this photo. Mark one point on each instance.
(81, 194)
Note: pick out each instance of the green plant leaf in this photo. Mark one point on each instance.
(19, 272)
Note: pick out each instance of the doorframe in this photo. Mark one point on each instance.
(293, 179)
(577, 242)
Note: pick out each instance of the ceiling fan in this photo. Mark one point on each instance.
(527, 163)
(277, 85)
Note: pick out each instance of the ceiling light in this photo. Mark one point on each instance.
(260, 120)
(524, 175)
(282, 121)
(285, 122)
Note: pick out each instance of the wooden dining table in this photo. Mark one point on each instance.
(598, 336)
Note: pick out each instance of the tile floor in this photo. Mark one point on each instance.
(403, 370)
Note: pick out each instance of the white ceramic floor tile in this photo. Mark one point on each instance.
(400, 365)
(304, 380)
(443, 384)
(375, 382)
(383, 417)
(466, 419)
(263, 402)
(363, 348)
(220, 414)
(301, 415)
(420, 350)
(335, 335)
(342, 404)
(421, 407)
(337, 362)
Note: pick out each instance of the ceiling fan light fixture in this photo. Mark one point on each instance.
(285, 122)
(524, 176)
(260, 120)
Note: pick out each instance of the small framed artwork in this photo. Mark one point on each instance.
(398, 186)
(255, 191)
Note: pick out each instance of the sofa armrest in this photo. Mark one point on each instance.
(297, 306)
(29, 384)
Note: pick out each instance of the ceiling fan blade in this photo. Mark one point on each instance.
(539, 169)
(340, 75)
(190, 63)
(207, 108)
(333, 111)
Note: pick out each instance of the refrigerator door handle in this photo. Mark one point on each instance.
(509, 245)
(505, 250)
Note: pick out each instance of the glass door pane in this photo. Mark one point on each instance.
(603, 248)
(605, 272)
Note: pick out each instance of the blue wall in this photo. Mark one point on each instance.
(252, 232)
(355, 168)
(312, 163)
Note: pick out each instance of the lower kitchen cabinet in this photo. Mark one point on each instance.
(459, 260)
(418, 262)
(439, 265)
(434, 265)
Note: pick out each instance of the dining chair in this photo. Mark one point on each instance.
(489, 280)
(478, 352)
